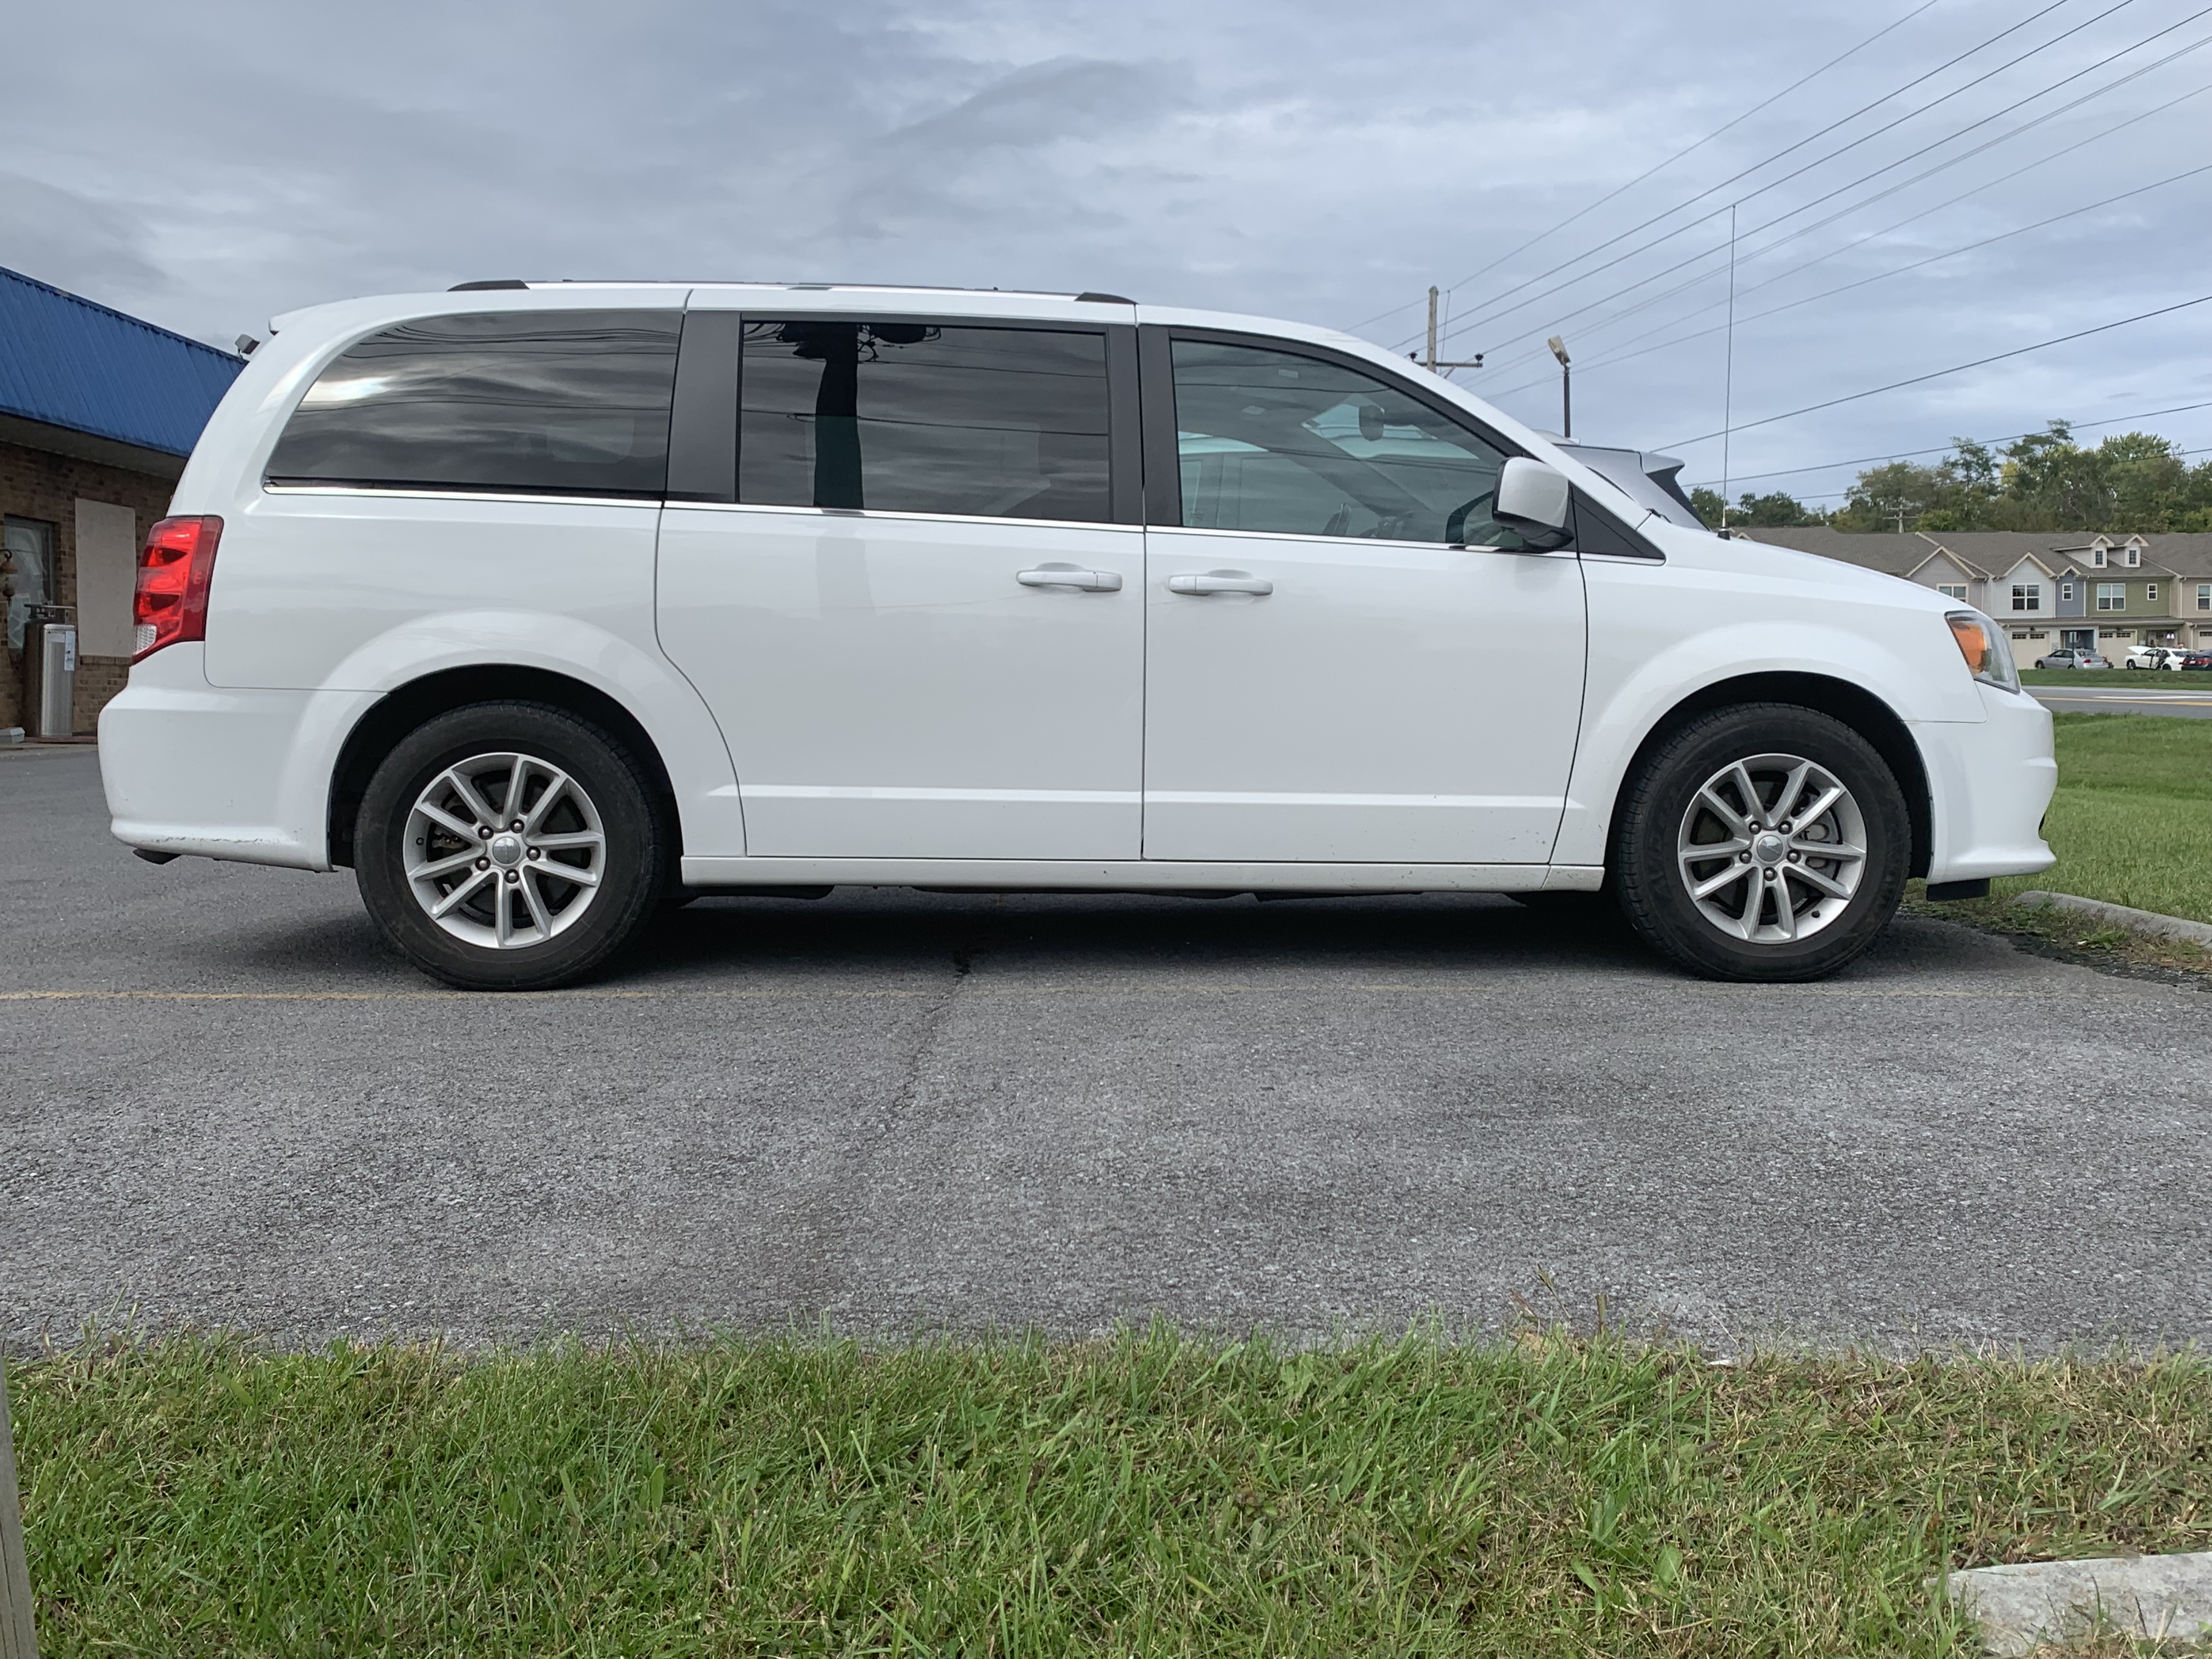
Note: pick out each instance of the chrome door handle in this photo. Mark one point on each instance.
(1220, 581)
(1066, 575)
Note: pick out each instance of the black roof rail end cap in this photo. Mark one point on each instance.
(497, 282)
(1103, 300)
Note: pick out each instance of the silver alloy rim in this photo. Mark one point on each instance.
(505, 851)
(1771, 849)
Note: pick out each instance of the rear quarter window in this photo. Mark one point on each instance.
(537, 403)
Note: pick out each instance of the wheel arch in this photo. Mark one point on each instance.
(404, 708)
(1854, 705)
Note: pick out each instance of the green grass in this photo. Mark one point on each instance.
(2158, 679)
(1146, 1494)
(2132, 820)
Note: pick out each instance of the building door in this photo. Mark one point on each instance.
(28, 544)
(1347, 660)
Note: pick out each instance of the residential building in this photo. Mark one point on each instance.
(98, 411)
(2103, 592)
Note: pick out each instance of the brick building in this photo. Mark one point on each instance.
(98, 411)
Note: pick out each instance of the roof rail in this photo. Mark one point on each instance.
(1087, 297)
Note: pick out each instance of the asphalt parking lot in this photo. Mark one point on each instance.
(894, 1111)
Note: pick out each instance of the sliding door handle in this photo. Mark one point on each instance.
(1066, 575)
(1220, 581)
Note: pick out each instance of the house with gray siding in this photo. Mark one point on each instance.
(2103, 592)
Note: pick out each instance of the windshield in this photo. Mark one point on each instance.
(1647, 480)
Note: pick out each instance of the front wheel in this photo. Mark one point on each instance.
(510, 847)
(1764, 842)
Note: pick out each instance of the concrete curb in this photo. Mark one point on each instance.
(2021, 1608)
(2122, 916)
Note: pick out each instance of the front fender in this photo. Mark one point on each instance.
(1639, 676)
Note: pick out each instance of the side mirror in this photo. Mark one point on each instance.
(1535, 501)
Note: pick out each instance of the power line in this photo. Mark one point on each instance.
(1945, 449)
(1955, 369)
(2097, 137)
(1879, 276)
(1792, 149)
(1889, 166)
(1926, 173)
(1649, 171)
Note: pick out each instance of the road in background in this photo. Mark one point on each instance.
(225, 1105)
(2193, 702)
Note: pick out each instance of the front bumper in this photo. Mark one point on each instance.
(1990, 782)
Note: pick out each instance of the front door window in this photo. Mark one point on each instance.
(1298, 445)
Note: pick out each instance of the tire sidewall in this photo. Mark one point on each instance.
(1652, 890)
(629, 892)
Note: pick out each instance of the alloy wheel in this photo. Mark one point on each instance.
(1771, 848)
(504, 851)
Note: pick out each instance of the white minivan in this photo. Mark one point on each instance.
(544, 605)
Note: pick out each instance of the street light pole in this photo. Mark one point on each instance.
(18, 1640)
(1566, 388)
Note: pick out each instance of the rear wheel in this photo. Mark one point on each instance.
(1763, 842)
(510, 847)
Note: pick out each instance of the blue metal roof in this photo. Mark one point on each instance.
(68, 363)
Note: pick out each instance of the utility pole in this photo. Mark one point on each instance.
(18, 1640)
(1429, 361)
(1566, 388)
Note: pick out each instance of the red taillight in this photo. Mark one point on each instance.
(174, 568)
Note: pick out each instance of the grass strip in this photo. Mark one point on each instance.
(2131, 823)
(1146, 1493)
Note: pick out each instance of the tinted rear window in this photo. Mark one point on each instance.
(916, 417)
(543, 402)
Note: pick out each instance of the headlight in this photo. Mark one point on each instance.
(1987, 652)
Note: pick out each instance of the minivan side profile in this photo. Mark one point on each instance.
(543, 606)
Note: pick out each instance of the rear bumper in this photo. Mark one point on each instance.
(239, 775)
(1989, 783)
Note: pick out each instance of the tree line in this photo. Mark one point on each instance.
(2132, 481)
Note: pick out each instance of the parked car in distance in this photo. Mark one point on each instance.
(2196, 660)
(543, 606)
(2069, 657)
(2152, 656)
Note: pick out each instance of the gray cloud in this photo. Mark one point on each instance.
(51, 230)
(208, 165)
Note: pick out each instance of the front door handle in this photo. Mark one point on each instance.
(1220, 581)
(1066, 575)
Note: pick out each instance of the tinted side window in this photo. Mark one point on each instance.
(915, 417)
(1300, 445)
(548, 402)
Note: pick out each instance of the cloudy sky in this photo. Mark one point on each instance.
(207, 166)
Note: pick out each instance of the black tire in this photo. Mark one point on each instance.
(635, 854)
(1647, 869)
